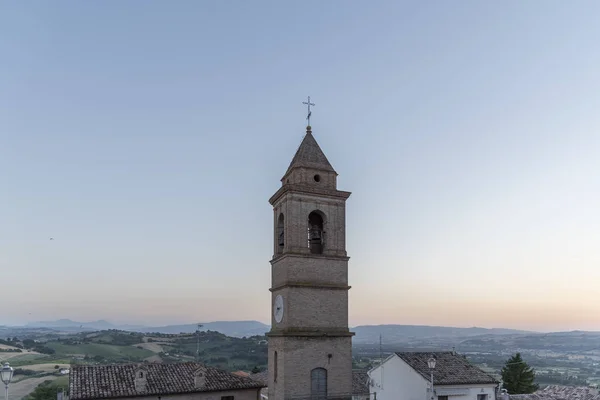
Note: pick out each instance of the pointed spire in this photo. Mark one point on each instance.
(310, 155)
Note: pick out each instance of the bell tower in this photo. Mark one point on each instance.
(310, 345)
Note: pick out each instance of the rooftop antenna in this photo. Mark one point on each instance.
(198, 342)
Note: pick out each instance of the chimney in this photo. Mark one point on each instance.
(199, 378)
(140, 380)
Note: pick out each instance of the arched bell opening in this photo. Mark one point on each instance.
(316, 234)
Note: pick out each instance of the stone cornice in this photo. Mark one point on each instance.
(305, 189)
(310, 332)
(309, 285)
(279, 257)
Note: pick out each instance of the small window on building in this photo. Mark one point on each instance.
(275, 367)
(482, 397)
(227, 397)
(442, 397)
(280, 234)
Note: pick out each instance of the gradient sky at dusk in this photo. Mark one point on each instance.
(146, 137)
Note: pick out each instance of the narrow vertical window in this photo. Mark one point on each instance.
(280, 234)
(315, 233)
(275, 367)
(318, 384)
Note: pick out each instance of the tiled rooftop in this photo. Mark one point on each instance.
(555, 392)
(360, 382)
(310, 155)
(262, 377)
(450, 369)
(110, 381)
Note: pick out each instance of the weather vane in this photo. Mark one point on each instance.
(308, 104)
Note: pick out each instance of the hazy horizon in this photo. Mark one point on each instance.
(146, 141)
(129, 323)
(167, 322)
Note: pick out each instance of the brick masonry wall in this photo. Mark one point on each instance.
(313, 269)
(313, 308)
(276, 387)
(298, 356)
(295, 208)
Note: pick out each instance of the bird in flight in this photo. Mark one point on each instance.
(51, 238)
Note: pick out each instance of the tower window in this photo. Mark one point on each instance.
(280, 234)
(318, 384)
(275, 367)
(317, 178)
(315, 233)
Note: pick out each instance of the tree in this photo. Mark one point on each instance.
(44, 391)
(518, 377)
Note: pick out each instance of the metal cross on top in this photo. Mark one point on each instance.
(308, 104)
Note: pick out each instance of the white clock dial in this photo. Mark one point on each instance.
(278, 308)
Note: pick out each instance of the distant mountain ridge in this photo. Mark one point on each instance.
(364, 333)
(69, 324)
(402, 333)
(229, 328)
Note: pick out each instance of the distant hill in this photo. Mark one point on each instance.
(71, 325)
(229, 328)
(404, 333)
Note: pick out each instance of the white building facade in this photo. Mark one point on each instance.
(406, 376)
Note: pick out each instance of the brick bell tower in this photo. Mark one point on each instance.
(310, 345)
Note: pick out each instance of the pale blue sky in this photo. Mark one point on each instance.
(147, 136)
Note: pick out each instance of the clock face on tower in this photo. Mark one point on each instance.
(278, 308)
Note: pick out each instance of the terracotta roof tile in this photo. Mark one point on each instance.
(262, 377)
(310, 155)
(556, 392)
(360, 382)
(110, 381)
(450, 369)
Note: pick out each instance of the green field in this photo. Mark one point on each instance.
(102, 350)
(30, 359)
(61, 382)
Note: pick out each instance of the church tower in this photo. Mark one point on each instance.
(310, 345)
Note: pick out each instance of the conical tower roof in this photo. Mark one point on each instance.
(310, 155)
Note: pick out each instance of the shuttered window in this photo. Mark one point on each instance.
(318, 381)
